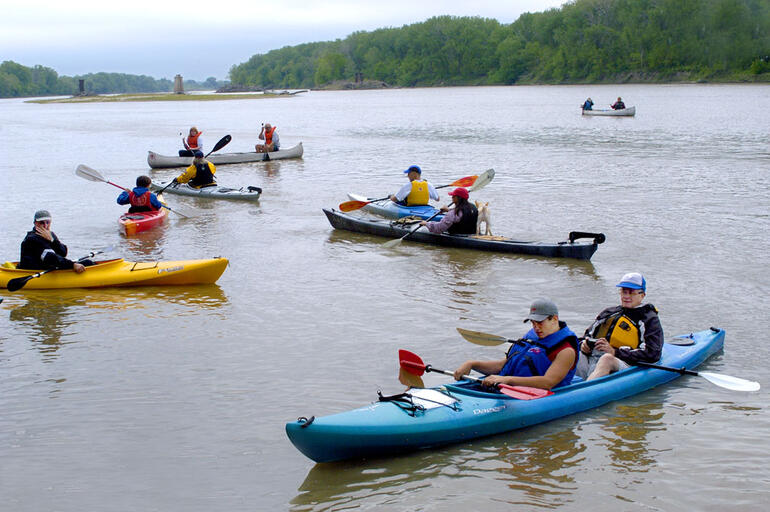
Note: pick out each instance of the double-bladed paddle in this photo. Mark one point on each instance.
(412, 363)
(725, 381)
(91, 174)
(224, 141)
(469, 182)
(19, 282)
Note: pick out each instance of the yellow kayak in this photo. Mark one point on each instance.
(119, 272)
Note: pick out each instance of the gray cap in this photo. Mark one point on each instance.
(541, 309)
(42, 215)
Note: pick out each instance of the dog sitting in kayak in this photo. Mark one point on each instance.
(484, 217)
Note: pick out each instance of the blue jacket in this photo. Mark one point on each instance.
(123, 197)
(529, 357)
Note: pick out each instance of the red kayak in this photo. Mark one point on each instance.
(133, 223)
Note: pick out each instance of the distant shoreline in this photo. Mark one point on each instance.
(118, 98)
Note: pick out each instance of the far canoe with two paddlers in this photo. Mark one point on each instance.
(214, 192)
(429, 417)
(394, 229)
(630, 111)
(157, 161)
(118, 272)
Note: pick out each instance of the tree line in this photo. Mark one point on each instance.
(584, 41)
(17, 80)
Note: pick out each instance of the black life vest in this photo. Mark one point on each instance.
(467, 224)
(203, 176)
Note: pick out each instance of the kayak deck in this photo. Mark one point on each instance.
(391, 210)
(458, 412)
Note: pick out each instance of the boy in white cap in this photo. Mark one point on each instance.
(545, 358)
(42, 250)
(623, 334)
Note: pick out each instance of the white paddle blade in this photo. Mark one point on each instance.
(483, 180)
(481, 338)
(392, 243)
(88, 173)
(730, 382)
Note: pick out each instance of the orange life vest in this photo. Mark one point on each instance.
(269, 135)
(192, 141)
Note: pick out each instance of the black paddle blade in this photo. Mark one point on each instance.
(17, 283)
(224, 141)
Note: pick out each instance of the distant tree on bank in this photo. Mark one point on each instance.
(583, 41)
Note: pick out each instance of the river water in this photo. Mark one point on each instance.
(175, 399)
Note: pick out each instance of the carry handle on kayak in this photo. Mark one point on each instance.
(599, 238)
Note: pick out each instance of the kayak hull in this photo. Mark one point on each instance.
(630, 111)
(215, 192)
(133, 223)
(386, 228)
(119, 272)
(391, 210)
(384, 428)
(158, 161)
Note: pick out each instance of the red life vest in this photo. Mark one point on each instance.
(142, 202)
(192, 141)
(269, 135)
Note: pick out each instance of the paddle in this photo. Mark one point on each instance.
(725, 381)
(224, 141)
(349, 206)
(19, 282)
(412, 363)
(393, 243)
(90, 174)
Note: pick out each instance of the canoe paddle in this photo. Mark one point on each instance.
(469, 182)
(19, 282)
(412, 363)
(91, 174)
(224, 141)
(725, 381)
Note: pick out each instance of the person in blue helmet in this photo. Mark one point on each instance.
(622, 335)
(417, 192)
(545, 358)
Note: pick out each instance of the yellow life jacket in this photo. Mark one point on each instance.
(619, 331)
(419, 194)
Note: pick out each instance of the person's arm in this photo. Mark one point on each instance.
(485, 367)
(155, 202)
(402, 193)
(262, 133)
(276, 140)
(187, 175)
(559, 368)
(450, 217)
(432, 192)
(123, 198)
(653, 343)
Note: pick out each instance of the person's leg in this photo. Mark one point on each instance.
(606, 365)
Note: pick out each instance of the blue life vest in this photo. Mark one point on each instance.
(529, 357)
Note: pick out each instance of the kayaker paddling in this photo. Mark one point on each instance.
(627, 334)
(200, 174)
(193, 145)
(140, 198)
(460, 220)
(545, 358)
(417, 192)
(270, 136)
(42, 250)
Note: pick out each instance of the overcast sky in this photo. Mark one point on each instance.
(196, 39)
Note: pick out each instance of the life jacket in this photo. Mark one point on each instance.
(532, 356)
(269, 135)
(192, 141)
(203, 176)
(420, 195)
(467, 224)
(140, 203)
(619, 329)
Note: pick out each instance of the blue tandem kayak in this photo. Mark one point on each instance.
(391, 210)
(458, 412)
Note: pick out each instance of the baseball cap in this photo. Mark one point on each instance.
(459, 192)
(541, 309)
(634, 281)
(41, 215)
(415, 168)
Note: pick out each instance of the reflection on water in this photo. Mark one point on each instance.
(626, 436)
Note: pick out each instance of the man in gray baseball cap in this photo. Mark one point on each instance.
(42, 250)
(541, 309)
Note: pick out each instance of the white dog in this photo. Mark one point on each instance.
(485, 216)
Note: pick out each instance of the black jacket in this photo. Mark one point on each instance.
(646, 319)
(37, 253)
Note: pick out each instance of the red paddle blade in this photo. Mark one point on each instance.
(411, 362)
(523, 392)
(349, 206)
(464, 182)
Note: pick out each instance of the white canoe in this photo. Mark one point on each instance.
(156, 160)
(216, 192)
(630, 111)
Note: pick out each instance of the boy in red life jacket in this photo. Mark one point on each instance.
(140, 199)
(193, 144)
(270, 136)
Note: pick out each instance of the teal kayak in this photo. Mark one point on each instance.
(391, 210)
(430, 417)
